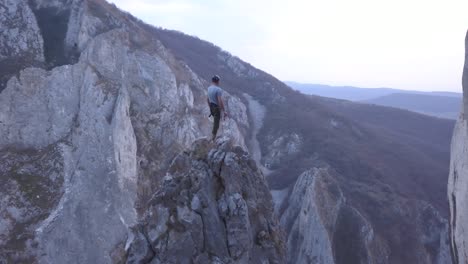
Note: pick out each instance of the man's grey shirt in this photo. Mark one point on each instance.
(213, 93)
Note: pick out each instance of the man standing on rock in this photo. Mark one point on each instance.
(215, 102)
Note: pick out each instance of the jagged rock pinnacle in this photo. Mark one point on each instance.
(213, 207)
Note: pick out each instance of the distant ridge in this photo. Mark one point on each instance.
(356, 93)
(436, 105)
(439, 104)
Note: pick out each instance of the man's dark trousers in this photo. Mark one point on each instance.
(216, 113)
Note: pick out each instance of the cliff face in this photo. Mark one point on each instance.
(458, 179)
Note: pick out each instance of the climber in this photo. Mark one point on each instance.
(215, 102)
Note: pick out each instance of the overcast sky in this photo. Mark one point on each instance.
(407, 44)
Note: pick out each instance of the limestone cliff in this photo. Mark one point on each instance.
(458, 179)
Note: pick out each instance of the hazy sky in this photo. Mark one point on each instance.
(407, 44)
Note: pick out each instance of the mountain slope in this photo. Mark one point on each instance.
(420, 139)
(441, 106)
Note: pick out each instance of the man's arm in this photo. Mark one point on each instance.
(221, 106)
(221, 103)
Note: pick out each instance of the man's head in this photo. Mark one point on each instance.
(215, 79)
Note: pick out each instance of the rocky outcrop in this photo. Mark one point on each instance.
(282, 147)
(213, 207)
(323, 226)
(320, 224)
(309, 215)
(21, 44)
(458, 179)
(20, 36)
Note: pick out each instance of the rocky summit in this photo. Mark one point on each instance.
(213, 207)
